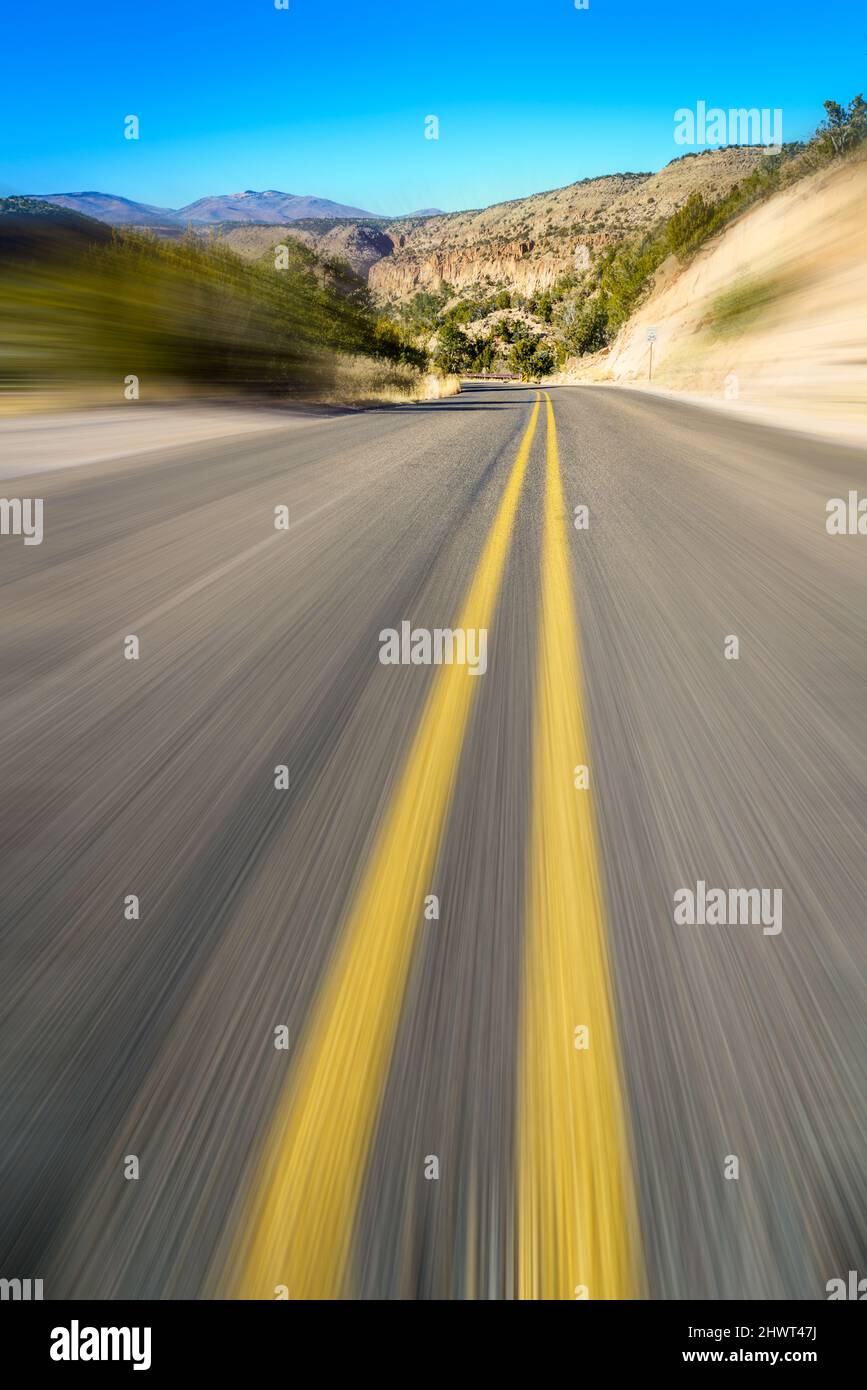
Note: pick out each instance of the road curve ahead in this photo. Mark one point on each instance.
(435, 858)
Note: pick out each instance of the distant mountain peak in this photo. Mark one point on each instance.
(111, 208)
(269, 205)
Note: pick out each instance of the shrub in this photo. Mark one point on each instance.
(453, 350)
(589, 331)
(530, 357)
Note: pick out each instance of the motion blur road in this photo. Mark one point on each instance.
(410, 1036)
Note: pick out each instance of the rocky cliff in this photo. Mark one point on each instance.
(529, 243)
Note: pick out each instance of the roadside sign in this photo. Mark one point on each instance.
(651, 338)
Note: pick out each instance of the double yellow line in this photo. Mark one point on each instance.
(302, 1224)
(573, 1198)
(576, 1217)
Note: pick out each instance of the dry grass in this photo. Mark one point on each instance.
(353, 381)
(371, 381)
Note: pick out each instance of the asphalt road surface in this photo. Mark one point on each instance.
(414, 1019)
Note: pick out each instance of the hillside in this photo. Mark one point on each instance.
(30, 229)
(360, 244)
(109, 207)
(529, 243)
(768, 317)
(525, 245)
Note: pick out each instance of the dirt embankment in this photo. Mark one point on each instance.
(770, 318)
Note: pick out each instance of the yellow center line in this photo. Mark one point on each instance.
(576, 1222)
(304, 1206)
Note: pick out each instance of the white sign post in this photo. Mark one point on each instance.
(651, 338)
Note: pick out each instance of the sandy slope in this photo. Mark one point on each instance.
(801, 357)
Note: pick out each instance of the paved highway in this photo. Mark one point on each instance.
(414, 1018)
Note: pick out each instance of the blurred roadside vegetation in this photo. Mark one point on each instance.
(82, 304)
(749, 299)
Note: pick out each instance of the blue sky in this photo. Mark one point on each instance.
(330, 96)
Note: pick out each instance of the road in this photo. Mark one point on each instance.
(421, 1024)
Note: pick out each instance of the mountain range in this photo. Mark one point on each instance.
(268, 207)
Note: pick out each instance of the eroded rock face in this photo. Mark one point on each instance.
(529, 243)
(513, 264)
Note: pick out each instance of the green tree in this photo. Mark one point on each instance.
(687, 226)
(389, 342)
(530, 357)
(588, 332)
(542, 306)
(422, 313)
(544, 360)
(844, 127)
(453, 350)
(462, 312)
